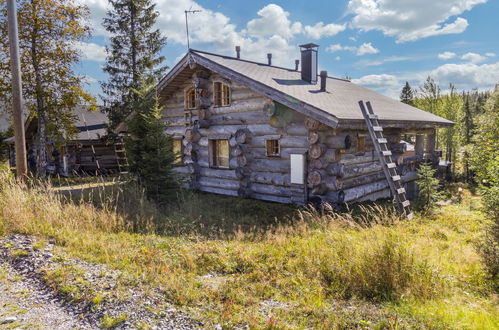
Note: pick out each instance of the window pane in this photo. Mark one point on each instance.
(223, 153)
(177, 150)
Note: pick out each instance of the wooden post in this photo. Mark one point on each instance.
(419, 148)
(17, 98)
(430, 142)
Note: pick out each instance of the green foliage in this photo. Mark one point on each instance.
(429, 188)
(133, 61)
(407, 96)
(49, 32)
(150, 149)
(109, 322)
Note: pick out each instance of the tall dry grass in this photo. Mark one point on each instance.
(306, 257)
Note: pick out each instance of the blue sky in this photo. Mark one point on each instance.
(378, 43)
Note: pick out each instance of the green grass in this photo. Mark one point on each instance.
(243, 262)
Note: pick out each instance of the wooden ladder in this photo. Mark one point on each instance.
(121, 157)
(385, 158)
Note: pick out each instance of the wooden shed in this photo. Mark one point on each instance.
(255, 130)
(84, 152)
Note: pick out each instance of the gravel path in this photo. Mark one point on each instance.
(24, 304)
(28, 300)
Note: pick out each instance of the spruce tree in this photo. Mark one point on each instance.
(149, 149)
(429, 188)
(407, 96)
(133, 59)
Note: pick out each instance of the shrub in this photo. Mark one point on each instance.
(429, 186)
(489, 246)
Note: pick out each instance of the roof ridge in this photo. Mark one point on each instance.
(258, 63)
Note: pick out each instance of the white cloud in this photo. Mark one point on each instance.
(273, 21)
(390, 59)
(86, 79)
(320, 30)
(467, 75)
(473, 57)
(490, 54)
(446, 55)
(377, 81)
(365, 48)
(91, 51)
(409, 20)
(337, 58)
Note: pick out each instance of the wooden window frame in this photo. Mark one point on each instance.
(213, 151)
(272, 148)
(190, 101)
(223, 95)
(178, 159)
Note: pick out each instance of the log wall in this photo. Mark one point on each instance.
(337, 170)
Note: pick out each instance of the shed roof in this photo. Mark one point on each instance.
(339, 103)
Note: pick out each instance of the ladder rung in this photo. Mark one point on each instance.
(377, 128)
(391, 165)
(382, 140)
(410, 216)
(386, 153)
(400, 190)
(406, 203)
(396, 177)
(372, 116)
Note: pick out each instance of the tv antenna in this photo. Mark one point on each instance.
(187, 23)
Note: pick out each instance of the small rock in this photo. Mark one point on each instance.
(9, 319)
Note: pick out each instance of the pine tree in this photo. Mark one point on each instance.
(48, 33)
(407, 95)
(150, 150)
(133, 60)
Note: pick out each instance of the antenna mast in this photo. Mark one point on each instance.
(187, 24)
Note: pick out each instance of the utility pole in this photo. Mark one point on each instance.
(187, 24)
(17, 96)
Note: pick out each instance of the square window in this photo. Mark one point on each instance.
(273, 148)
(219, 153)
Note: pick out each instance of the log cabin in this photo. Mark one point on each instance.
(286, 135)
(82, 152)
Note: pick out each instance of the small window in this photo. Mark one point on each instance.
(221, 94)
(273, 148)
(177, 151)
(361, 144)
(190, 99)
(219, 153)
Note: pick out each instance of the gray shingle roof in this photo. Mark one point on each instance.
(340, 99)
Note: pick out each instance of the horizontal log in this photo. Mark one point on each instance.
(242, 136)
(270, 189)
(192, 135)
(355, 193)
(239, 118)
(312, 124)
(332, 183)
(297, 129)
(173, 112)
(319, 190)
(256, 129)
(332, 155)
(175, 130)
(360, 180)
(385, 193)
(220, 191)
(317, 164)
(242, 172)
(219, 183)
(270, 165)
(241, 106)
(218, 173)
(270, 178)
(272, 198)
(244, 94)
(349, 159)
(338, 141)
(359, 169)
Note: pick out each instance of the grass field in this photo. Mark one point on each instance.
(244, 262)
